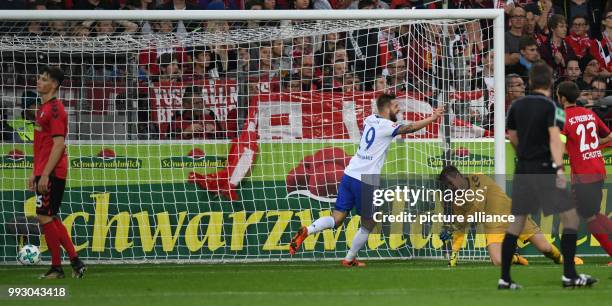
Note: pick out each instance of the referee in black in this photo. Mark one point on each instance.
(534, 123)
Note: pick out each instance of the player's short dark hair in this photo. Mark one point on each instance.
(54, 73)
(383, 100)
(555, 21)
(527, 41)
(448, 171)
(569, 90)
(540, 76)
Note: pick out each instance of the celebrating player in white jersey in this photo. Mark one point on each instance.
(378, 132)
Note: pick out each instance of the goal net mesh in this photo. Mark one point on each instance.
(216, 140)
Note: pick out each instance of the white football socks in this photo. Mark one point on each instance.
(359, 241)
(320, 224)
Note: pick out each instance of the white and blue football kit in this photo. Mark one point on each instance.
(378, 133)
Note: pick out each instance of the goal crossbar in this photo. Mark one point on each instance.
(250, 14)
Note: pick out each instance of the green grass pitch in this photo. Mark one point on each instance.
(408, 282)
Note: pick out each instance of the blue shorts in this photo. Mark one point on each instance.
(353, 193)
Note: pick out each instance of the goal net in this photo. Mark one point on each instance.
(215, 140)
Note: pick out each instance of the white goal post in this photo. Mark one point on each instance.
(135, 197)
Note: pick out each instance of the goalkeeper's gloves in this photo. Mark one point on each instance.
(452, 262)
(446, 233)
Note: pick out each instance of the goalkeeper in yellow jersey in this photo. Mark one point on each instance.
(494, 202)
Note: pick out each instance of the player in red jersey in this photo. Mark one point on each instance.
(50, 169)
(585, 132)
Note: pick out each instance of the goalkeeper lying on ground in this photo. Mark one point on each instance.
(495, 202)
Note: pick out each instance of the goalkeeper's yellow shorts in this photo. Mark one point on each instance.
(496, 234)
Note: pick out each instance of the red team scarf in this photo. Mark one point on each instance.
(580, 44)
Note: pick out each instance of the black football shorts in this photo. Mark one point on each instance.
(534, 188)
(48, 204)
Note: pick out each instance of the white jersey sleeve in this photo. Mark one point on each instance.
(378, 133)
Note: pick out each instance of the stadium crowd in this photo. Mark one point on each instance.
(573, 36)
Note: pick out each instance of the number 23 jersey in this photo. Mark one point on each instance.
(378, 133)
(583, 129)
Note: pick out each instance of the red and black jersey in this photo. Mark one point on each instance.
(583, 129)
(51, 121)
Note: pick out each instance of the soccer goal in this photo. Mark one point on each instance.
(213, 135)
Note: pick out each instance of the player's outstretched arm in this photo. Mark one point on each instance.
(415, 126)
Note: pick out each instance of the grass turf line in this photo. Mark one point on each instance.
(411, 282)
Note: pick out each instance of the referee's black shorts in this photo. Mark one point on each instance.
(48, 204)
(534, 188)
(587, 197)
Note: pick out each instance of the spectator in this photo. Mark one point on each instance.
(147, 59)
(591, 9)
(255, 5)
(590, 70)
(179, 5)
(555, 52)
(351, 83)
(58, 28)
(515, 88)
(169, 70)
(542, 11)
(79, 30)
(292, 83)
(265, 62)
(227, 54)
(599, 89)
(368, 4)
(380, 85)
(269, 4)
(280, 58)
(195, 122)
(144, 25)
(397, 78)
(389, 46)
(529, 55)
(602, 50)
(206, 65)
(512, 38)
(578, 39)
(300, 4)
(227, 4)
(363, 51)
(481, 110)
(96, 5)
(109, 27)
(308, 73)
(42, 5)
(324, 56)
(302, 46)
(335, 80)
(35, 28)
(573, 71)
(140, 4)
